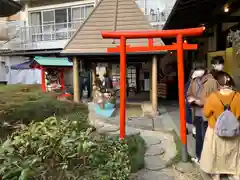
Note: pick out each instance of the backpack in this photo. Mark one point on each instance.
(227, 124)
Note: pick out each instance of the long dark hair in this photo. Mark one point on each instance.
(224, 79)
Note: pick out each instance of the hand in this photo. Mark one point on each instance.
(198, 102)
(191, 99)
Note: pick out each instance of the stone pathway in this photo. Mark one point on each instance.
(161, 148)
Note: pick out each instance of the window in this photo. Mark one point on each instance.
(88, 10)
(57, 23)
(61, 23)
(76, 14)
(61, 15)
(79, 14)
(36, 28)
(48, 20)
(131, 71)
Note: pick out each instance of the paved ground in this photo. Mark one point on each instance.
(172, 109)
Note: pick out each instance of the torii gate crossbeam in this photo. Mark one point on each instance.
(179, 47)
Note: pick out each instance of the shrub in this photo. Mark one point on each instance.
(24, 104)
(63, 149)
(136, 151)
(38, 110)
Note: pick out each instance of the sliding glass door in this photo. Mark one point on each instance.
(61, 23)
(36, 28)
(79, 14)
(57, 24)
(48, 21)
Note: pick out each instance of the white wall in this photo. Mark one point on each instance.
(17, 76)
(12, 60)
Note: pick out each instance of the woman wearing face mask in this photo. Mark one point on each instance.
(221, 155)
(194, 99)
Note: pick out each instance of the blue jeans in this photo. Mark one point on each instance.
(201, 127)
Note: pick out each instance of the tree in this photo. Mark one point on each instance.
(234, 38)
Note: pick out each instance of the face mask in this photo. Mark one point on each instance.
(218, 67)
(198, 73)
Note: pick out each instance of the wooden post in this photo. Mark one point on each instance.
(154, 86)
(93, 71)
(93, 76)
(76, 92)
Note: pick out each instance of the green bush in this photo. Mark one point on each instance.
(63, 149)
(21, 104)
(39, 110)
(136, 151)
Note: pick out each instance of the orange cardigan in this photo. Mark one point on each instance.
(213, 106)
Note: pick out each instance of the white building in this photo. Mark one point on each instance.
(44, 29)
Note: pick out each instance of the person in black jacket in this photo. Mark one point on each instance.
(98, 81)
(107, 82)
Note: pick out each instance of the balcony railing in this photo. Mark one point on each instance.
(48, 32)
(158, 19)
(47, 36)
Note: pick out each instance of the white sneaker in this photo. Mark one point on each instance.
(195, 160)
(194, 130)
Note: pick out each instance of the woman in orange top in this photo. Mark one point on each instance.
(219, 155)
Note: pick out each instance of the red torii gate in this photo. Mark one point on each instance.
(179, 47)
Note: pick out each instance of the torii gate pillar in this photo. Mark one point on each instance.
(179, 47)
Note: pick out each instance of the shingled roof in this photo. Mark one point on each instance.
(109, 15)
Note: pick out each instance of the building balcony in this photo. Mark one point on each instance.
(54, 35)
(158, 19)
(47, 36)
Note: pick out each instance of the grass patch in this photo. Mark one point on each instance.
(132, 110)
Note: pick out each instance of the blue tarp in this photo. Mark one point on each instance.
(25, 65)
